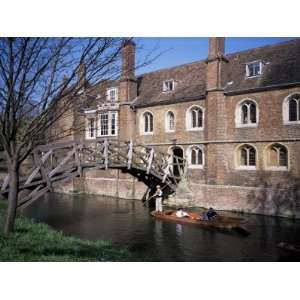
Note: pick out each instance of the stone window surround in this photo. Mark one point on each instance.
(275, 168)
(142, 123)
(237, 159)
(238, 114)
(167, 129)
(188, 118)
(285, 110)
(189, 157)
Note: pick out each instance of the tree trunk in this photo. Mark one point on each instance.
(12, 198)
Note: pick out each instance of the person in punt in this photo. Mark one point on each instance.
(210, 214)
(180, 213)
(158, 200)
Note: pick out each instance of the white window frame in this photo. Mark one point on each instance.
(238, 114)
(167, 121)
(189, 157)
(142, 123)
(252, 63)
(189, 120)
(87, 130)
(166, 87)
(110, 115)
(108, 94)
(286, 110)
(237, 158)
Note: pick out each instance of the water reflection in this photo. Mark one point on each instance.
(129, 224)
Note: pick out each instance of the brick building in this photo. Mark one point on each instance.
(235, 118)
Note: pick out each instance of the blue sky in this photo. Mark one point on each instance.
(176, 51)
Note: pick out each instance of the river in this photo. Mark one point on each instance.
(128, 223)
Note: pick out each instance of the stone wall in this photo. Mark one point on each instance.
(98, 182)
(258, 200)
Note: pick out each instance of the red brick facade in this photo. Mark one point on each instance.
(218, 87)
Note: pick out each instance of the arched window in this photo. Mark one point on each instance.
(195, 157)
(195, 118)
(246, 114)
(148, 122)
(277, 156)
(294, 108)
(246, 156)
(170, 121)
(291, 109)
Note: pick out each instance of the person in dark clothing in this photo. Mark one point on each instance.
(211, 214)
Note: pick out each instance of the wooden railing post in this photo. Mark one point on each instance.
(130, 154)
(150, 160)
(106, 144)
(77, 159)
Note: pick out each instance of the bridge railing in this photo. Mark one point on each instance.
(60, 161)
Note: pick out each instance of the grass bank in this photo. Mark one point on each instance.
(33, 242)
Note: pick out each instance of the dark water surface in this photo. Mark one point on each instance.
(128, 223)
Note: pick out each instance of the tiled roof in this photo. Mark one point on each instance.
(189, 84)
(281, 66)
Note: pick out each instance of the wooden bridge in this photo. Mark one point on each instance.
(57, 162)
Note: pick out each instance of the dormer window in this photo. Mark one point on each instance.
(254, 69)
(168, 85)
(112, 94)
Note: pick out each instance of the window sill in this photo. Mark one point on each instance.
(195, 167)
(246, 168)
(291, 123)
(90, 138)
(147, 133)
(254, 76)
(251, 125)
(195, 129)
(170, 131)
(274, 168)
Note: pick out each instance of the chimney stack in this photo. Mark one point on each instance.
(216, 47)
(128, 60)
(127, 91)
(216, 59)
(128, 83)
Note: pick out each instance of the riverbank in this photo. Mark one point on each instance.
(32, 242)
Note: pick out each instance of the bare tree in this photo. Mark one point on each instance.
(38, 80)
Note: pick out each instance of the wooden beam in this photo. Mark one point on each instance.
(5, 183)
(36, 196)
(77, 159)
(38, 166)
(130, 154)
(105, 153)
(40, 163)
(150, 160)
(69, 155)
